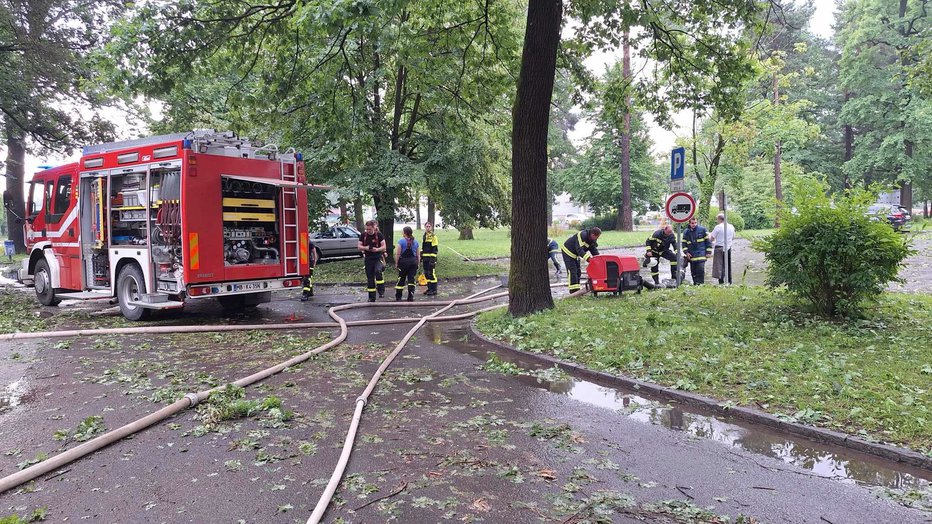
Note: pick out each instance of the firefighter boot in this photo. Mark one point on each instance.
(431, 289)
(410, 292)
(398, 294)
(372, 296)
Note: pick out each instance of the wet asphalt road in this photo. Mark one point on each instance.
(441, 439)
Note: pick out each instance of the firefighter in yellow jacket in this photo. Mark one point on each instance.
(583, 245)
(430, 246)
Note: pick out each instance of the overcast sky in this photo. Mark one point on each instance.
(664, 141)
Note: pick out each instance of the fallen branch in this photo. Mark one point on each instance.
(403, 486)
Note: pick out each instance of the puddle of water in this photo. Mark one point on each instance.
(12, 395)
(823, 460)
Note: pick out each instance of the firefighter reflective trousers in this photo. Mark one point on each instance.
(430, 265)
(407, 269)
(374, 269)
(697, 271)
(573, 271)
(308, 284)
(655, 264)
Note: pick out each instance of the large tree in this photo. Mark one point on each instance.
(367, 90)
(698, 60)
(48, 95)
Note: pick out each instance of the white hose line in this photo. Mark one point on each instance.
(192, 399)
(236, 327)
(350, 440)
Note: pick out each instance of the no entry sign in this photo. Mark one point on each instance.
(681, 207)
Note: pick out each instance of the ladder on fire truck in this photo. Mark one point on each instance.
(290, 233)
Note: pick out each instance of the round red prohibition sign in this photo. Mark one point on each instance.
(681, 207)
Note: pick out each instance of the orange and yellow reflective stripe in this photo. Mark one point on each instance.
(194, 251)
(303, 247)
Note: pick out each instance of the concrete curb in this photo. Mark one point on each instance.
(897, 454)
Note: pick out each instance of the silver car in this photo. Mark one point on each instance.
(338, 241)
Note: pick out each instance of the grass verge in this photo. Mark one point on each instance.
(753, 347)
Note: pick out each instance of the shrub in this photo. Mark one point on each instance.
(734, 218)
(830, 252)
(603, 222)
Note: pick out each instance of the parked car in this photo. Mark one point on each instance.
(338, 241)
(896, 216)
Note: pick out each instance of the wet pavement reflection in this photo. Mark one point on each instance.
(823, 460)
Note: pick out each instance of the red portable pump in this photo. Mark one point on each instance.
(614, 274)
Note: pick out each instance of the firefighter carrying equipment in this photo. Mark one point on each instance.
(430, 246)
(575, 247)
(698, 247)
(658, 246)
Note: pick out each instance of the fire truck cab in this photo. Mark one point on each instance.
(158, 221)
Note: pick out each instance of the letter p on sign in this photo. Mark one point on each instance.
(678, 163)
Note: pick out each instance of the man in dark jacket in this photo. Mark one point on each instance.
(697, 247)
(553, 249)
(658, 246)
(582, 246)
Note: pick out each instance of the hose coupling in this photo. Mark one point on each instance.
(195, 400)
(363, 400)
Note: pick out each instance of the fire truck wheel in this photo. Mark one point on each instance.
(130, 285)
(44, 290)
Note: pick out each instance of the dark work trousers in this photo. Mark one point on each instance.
(372, 265)
(553, 258)
(697, 271)
(430, 273)
(308, 284)
(655, 264)
(572, 271)
(380, 278)
(407, 270)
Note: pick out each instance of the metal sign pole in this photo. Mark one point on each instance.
(679, 255)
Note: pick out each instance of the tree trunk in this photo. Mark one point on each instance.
(15, 177)
(431, 211)
(529, 285)
(625, 219)
(849, 146)
(466, 233)
(417, 210)
(385, 215)
(344, 214)
(357, 214)
(777, 154)
(906, 189)
(925, 209)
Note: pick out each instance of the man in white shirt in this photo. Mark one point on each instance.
(721, 238)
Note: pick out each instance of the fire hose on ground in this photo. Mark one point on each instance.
(192, 399)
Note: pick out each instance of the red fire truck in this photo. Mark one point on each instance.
(158, 221)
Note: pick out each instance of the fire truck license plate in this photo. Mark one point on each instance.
(247, 287)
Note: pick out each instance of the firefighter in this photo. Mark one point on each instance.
(380, 268)
(407, 260)
(372, 246)
(581, 245)
(308, 283)
(658, 246)
(698, 247)
(553, 249)
(430, 246)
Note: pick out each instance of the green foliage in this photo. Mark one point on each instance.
(86, 430)
(754, 347)
(734, 218)
(38, 515)
(603, 222)
(831, 253)
(230, 403)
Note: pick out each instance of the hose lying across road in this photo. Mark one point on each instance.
(192, 399)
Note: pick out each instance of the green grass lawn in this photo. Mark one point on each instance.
(448, 265)
(750, 346)
(497, 242)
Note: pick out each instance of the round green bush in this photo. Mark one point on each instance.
(830, 252)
